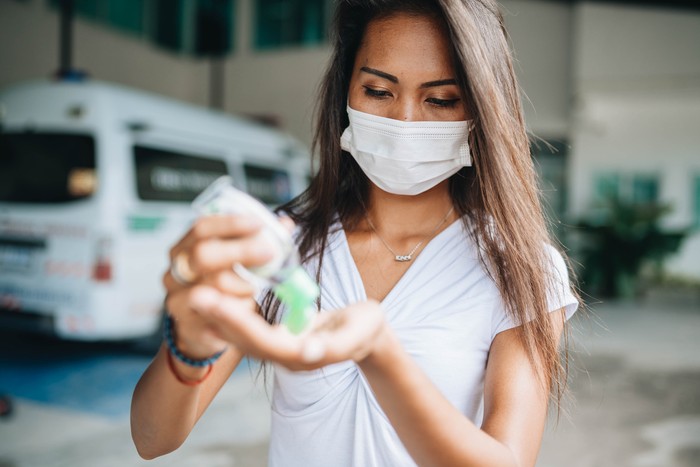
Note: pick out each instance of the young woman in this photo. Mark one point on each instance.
(442, 304)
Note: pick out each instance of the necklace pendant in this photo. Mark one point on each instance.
(403, 258)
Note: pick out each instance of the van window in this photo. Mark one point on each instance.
(166, 175)
(46, 167)
(271, 186)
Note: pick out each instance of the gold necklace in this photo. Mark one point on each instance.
(409, 256)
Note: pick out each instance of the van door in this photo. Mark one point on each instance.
(48, 203)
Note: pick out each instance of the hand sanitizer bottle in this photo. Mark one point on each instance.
(288, 280)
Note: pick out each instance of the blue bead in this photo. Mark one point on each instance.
(172, 348)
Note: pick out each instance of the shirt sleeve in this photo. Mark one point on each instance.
(559, 293)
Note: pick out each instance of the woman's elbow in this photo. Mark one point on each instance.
(145, 454)
(150, 447)
(149, 452)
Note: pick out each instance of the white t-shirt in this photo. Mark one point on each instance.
(445, 311)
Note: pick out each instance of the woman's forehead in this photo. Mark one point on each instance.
(407, 46)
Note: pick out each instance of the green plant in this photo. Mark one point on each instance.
(619, 241)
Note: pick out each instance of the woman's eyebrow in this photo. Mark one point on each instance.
(394, 79)
(440, 82)
(381, 74)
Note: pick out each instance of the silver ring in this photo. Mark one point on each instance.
(181, 271)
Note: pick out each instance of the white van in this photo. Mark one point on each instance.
(95, 185)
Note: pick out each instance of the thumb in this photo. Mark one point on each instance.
(288, 223)
(313, 349)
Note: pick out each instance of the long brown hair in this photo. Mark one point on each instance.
(498, 195)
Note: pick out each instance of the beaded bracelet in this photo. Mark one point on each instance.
(172, 348)
(184, 381)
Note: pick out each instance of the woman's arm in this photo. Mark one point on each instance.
(164, 410)
(435, 433)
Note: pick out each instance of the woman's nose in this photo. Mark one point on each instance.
(405, 111)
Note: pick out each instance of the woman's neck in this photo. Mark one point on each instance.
(405, 217)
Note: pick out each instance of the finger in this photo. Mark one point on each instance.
(212, 255)
(225, 226)
(313, 350)
(170, 284)
(250, 331)
(288, 223)
(226, 281)
(186, 307)
(180, 303)
(347, 334)
(217, 226)
(229, 282)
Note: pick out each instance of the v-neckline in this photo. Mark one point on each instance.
(356, 272)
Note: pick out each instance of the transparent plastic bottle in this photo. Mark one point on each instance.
(288, 280)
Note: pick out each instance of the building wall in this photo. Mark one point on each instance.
(285, 82)
(280, 83)
(29, 50)
(623, 47)
(541, 34)
(622, 84)
(637, 109)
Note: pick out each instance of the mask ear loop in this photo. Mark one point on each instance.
(465, 154)
(464, 150)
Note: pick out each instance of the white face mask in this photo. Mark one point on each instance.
(406, 158)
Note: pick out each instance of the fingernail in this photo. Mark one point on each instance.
(263, 252)
(313, 350)
(251, 222)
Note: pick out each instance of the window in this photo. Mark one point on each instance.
(200, 27)
(213, 27)
(280, 23)
(127, 15)
(607, 186)
(271, 186)
(165, 175)
(168, 26)
(46, 167)
(631, 188)
(645, 189)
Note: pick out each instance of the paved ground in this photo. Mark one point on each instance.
(635, 391)
(635, 403)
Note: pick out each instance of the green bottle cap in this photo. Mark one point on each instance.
(298, 292)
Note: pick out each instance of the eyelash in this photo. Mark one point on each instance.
(376, 93)
(445, 103)
(440, 103)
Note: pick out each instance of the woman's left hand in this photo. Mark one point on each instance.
(351, 333)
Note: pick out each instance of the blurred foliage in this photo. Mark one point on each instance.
(681, 282)
(621, 238)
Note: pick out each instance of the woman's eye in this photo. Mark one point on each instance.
(380, 93)
(448, 103)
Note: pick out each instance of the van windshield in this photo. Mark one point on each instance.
(46, 167)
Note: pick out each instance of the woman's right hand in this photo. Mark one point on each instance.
(209, 250)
